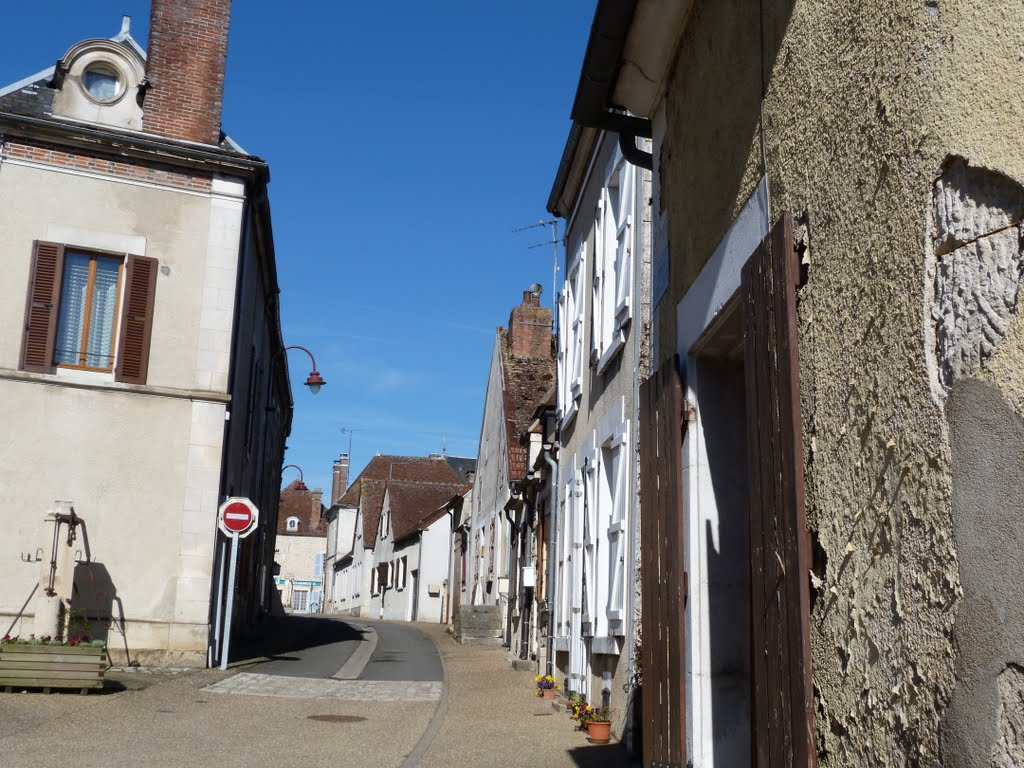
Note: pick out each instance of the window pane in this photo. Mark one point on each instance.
(72, 309)
(102, 85)
(101, 318)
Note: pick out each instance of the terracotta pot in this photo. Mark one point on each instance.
(547, 693)
(599, 731)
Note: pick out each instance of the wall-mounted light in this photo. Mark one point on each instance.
(314, 381)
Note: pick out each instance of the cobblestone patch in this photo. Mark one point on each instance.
(315, 688)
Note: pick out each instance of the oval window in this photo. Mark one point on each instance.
(101, 81)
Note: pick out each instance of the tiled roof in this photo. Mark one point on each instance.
(299, 502)
(367, 492)
(411, 504)
(463, 465)
(527, 381)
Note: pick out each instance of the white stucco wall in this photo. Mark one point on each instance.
(488, 551)
(296, 556)
(141, 464)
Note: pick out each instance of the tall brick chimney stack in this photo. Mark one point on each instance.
(529, 328)
(188, 49)
(340, 478)
(316, 502)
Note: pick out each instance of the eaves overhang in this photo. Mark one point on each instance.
(136, 146)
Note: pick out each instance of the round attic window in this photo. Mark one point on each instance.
(102, 82)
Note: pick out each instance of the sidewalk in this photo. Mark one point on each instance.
(494, 719)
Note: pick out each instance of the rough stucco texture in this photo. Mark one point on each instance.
(866, 106)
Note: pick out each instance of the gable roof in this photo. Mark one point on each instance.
(299, 502)
(526, 382)
(367, 492)
(411, 505)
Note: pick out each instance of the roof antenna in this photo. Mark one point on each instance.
(444, 444)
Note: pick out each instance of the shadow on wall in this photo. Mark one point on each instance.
(722, 398)
(984, 723)
(95, 609)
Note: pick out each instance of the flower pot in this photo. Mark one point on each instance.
(547, 693)
(599, 731)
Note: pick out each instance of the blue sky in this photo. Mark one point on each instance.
(406, 142)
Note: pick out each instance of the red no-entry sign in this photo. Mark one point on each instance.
(237, 516)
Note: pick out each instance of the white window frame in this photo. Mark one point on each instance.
(291, 524)
(570, 341)
(613, 264)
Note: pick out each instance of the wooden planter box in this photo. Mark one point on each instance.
(52, 666)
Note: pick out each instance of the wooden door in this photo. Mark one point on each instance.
(782, 703)
(662, 578)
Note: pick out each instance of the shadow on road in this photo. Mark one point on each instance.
(603, 756)
(280, 637)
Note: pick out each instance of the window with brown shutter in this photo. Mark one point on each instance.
(74, 315)
(137, 320)
(41, 308)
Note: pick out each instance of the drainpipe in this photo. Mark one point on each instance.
(552, 555)
(514, 565)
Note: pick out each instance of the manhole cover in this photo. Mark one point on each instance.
(337, 718)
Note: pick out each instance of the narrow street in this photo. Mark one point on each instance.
(319, 692)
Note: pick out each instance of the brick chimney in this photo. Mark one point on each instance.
(188, 48)
(340, 478)
(529, 328)
(316, 504)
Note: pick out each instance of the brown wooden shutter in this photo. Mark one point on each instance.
(663, 581)
(42, 307)
(782, 706)
(137, 320)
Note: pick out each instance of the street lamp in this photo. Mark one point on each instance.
(314, 381)
(302, 481)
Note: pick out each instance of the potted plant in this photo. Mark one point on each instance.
(598, 724)
(546, 686)
(573, 703)
(45, 662)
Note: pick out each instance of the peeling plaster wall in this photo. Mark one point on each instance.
(866, 106)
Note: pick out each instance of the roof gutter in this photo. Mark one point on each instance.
(593, 105)
(155, 149)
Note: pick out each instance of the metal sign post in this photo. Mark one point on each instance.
(237, 518)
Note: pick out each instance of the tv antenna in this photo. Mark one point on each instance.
(348, 431)
(554, 243)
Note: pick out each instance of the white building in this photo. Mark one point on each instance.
(601, 358)
(354, 561)
(522, 370)
(412, 552)
(300, 549)
(142, 375)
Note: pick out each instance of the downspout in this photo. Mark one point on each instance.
(552, 590)
(514, 566)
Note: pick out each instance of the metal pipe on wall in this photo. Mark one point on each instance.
(552, 590)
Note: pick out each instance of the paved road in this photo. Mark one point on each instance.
(306, 646)
(402, 653)
(318, 646)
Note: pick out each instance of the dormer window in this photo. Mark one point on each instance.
(293, 524)
(102, 82)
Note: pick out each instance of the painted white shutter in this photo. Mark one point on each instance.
(618, 534)
(624, 245)
(564, 345)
